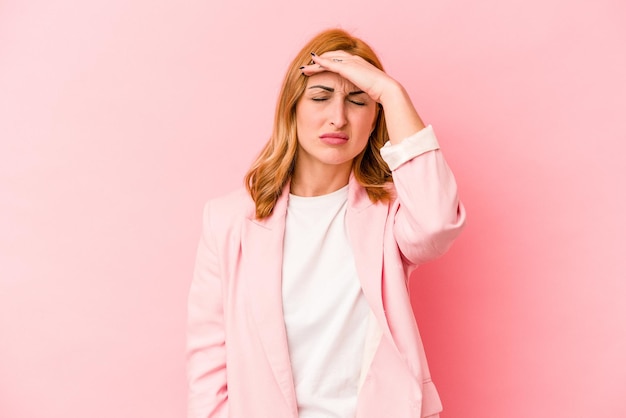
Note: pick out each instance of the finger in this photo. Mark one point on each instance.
(311, 69)
(323, 63)
(336, 54)
(328, 59)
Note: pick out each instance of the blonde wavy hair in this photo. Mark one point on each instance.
(273, 168)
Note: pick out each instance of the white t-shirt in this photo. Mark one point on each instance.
(326, 314)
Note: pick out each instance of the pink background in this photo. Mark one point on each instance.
(118, 119)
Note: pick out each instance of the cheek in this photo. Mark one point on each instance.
(365, 122)
(305, 117)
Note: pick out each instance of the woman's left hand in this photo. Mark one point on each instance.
(355, 69)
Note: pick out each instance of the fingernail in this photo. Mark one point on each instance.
(302, 67)
(313, 53)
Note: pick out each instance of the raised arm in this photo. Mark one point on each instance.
(428, 215)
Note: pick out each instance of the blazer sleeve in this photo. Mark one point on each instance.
(428, 213)
(206, 350)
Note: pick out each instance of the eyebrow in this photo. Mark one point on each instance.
(332, 90)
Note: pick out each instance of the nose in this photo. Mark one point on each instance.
(337, 113)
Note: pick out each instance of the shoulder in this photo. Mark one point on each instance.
(229, 209)
(236, 200)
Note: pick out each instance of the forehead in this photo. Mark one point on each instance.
(332, 80)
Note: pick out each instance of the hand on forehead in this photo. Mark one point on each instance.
(360, 73)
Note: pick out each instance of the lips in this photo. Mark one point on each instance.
(334, 138)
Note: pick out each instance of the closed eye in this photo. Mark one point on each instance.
(353, 97)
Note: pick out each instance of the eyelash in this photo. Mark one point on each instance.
(322, 99)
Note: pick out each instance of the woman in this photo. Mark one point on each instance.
(299, 304)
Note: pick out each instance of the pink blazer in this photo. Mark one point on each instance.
(238, 358)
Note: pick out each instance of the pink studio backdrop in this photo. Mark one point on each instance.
(119, 119)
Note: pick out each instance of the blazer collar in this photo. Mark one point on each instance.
(277, 218)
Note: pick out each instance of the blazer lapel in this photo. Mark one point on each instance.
(262, 250)
(366, 227)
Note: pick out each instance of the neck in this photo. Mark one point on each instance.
(321, 181)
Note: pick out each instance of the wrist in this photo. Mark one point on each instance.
(401, 116)
(393, 92)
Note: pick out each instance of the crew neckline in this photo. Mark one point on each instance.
(343, 190)
(337, 195)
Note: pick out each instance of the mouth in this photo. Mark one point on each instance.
(334, 138)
